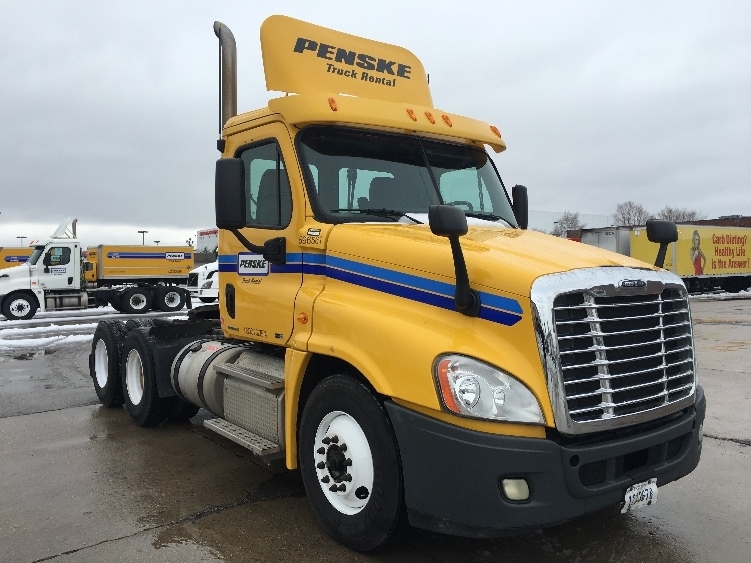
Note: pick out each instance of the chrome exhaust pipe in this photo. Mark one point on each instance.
(227, 74)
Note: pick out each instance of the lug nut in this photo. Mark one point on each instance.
(335, 439)
(325, 479)
(333, 488)
(347, 478)
(321, 451)
(347, 462)
(320, 465)
(342, 488)
(343, 447)
(326, 440)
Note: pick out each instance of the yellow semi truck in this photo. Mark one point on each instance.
(706, 257)
(14, 255)
(387, 324)
(133, 279)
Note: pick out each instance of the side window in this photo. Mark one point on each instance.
(267, 189)
(58, 256)
(465, 189)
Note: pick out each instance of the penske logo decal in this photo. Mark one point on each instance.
(250, 264)
(495, 308)
(343, 58)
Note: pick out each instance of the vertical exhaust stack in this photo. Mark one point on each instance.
(228, 73)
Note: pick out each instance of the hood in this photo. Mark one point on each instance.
(14, 273)
(502, 259)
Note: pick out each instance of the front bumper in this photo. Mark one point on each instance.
(452, 476)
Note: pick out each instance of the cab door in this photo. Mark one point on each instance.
(257, 298)
(60, 267)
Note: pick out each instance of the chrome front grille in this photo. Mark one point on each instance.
(623, 355)
(616, 344)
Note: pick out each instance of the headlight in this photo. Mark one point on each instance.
(472, 388)
(207, 285)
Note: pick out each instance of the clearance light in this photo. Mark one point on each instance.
(515, 489)
(472, 388)
(447, 120)
(332, 104)
(495, 130)
(430, 117)
(411, 114)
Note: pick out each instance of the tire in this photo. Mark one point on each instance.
(104, 362)
(180, 411)
(346, 441)
(135, 300)
(131, 324)
(19, 306)
(142, 401)
(169, 298)
(207, 299)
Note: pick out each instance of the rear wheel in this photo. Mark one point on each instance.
(350, 464)
(104, 362)
(142, 400)
(135, 300)
(19, 306)
(169, 298)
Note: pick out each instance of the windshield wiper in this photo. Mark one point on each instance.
(389, 213)
(483, 215)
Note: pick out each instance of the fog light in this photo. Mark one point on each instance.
(515, 489)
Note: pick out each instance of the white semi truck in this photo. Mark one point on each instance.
(51, 279)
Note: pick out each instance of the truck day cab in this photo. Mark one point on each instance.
(388, 325)
(133, 279)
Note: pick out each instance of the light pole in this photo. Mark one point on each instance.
(143, 237)
(21, 240)
(157, 242)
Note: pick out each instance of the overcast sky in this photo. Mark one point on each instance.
(108, 110)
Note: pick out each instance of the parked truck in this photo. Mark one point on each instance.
(13, 256)
(707, 258)
(199, 277)
(387, 324)
(133, 279)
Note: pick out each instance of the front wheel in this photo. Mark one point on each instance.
(19, 306)
(350, 464)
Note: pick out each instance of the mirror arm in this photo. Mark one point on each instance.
(279, 254)
(467, 300)
(661, 255)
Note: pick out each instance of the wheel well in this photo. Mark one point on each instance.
(319, 368)
(25, 292)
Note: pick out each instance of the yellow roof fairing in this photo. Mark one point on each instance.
(316, 108)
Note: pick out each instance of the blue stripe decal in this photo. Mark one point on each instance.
(142, 255)
(495, 308)
(19, 259)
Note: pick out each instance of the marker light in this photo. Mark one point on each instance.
(495, 130)
(472, 388)
(411, 114)
(447, 120)
(332, 104)
(430, 117)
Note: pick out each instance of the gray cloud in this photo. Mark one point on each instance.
(109, 111)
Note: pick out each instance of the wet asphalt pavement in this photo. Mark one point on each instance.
(80, 482)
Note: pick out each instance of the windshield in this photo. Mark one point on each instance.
(34, 258)
(357, 175)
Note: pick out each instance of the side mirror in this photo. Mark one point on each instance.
(229, 193)
(451, 222)
(663, 233)
(47, 260)
(520, 205)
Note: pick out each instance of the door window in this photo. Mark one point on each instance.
(267, 190)
(58, 256)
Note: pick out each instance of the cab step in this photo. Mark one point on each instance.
(268, 376)
(255, 443)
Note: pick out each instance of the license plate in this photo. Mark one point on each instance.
(641, 494)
